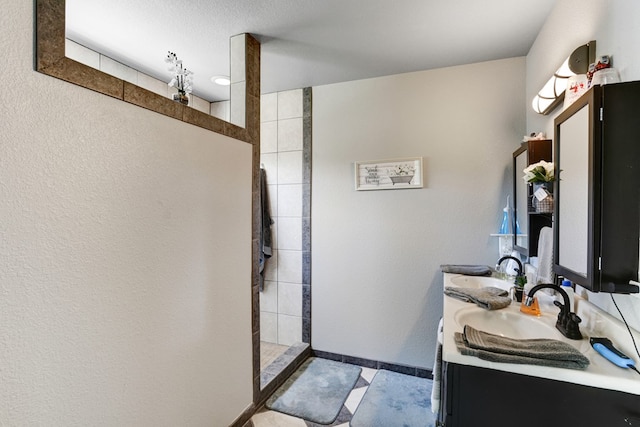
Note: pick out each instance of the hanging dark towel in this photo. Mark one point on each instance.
(265, 230)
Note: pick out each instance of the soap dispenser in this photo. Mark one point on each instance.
(568, 288)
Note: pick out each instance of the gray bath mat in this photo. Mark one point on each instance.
(316, 391)
(395, 399)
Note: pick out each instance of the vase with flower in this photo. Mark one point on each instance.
(541, 176)
(182, 80)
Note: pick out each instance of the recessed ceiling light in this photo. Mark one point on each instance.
(221, 80)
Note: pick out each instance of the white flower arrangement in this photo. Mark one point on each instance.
(183, 78)
(539, 172)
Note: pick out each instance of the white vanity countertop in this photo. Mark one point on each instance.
(600, 373)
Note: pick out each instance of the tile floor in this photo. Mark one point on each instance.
(268, 418)
(269, 352)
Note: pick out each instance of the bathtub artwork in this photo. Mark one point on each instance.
(389, 174)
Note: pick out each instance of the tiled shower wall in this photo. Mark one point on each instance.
(220, 109)
(285, 154)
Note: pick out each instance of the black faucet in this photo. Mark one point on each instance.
(520, 277)
(567, 322)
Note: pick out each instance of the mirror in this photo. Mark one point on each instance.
(51, 59)
(573, 159)
(577, 222)
(520, 195)
(597, 193)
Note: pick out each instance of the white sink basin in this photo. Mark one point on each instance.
(480, 282)
(508, 323)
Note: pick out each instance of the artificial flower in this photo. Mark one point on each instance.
(539, 172)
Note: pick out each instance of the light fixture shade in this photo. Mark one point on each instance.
(549, 89)
(552, 93)
(565, 71)
(561, 85)
(540, 104)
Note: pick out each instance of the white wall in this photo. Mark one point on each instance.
(376, 282)
(614, 26)
(125, 257)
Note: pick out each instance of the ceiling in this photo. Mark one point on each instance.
(306, 42)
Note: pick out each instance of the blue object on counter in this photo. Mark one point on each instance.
(605, 347)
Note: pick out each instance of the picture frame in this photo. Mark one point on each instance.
(394, 174)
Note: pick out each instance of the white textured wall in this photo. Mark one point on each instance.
(376, 283)
(614, 26)
(125, 257)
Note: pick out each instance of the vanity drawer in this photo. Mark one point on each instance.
(485, 397)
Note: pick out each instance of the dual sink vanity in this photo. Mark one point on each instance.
(477, 392)
(595, 230)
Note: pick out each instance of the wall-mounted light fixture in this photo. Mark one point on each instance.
(552, 93)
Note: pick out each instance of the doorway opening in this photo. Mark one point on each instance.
(285, 294)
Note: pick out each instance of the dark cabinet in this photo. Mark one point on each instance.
(478, 397)
(597, 195)
(529, 221)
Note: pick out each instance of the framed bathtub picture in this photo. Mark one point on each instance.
(393, 174)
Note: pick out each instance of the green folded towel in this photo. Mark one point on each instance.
(467, 270)
(542, 351)
(489, 298)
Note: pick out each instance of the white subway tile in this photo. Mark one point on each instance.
(220, 110)
(290, 167)
(83, 55)
(237, 49)
(290, 196)
(151, 83)
(290, 136)
(289, 266)
(269, 107)
(268, 327)
(269, 161)
(269, 297)
(199, 104)
(237, 107)
(116, 69)
(290, 233)
(268, 137)
(289, 329)
(290, 104)
(290, 299)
